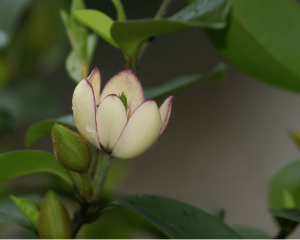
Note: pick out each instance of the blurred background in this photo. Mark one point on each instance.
(224, 141)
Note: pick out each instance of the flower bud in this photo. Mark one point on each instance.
(71, 150)
(54, 220)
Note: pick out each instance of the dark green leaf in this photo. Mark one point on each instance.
(6, 121)
(251, 233)
(40, 129)
(129, 35)
(291, 214)
(29, 207)
(175, 218)
(262, 44)
(19, 163)
(28, 100)
(11, 214)
(97, 21)
(182, 82)
(11, 12)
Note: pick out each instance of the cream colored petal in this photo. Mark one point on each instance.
(140, 132)
(95, 80)
(111, 119)
(128, 83)
(84, 111)
(165, 112)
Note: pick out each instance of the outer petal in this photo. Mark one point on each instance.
(140, 132)
(128, 83)
(165, 112)
(95, 80)
(111, 118)
(84, 111)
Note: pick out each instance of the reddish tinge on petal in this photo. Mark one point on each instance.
(95, 80)
(128, 83)
(111, 118)
(140, 132)
(165, 111)
(84, 111)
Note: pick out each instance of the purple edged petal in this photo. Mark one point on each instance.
(95, 80)
(165, 112)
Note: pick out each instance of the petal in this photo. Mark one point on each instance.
(95, 80)
(111, 118)
(140, 132)
(84, 111)
(128, 83)
(165, 112)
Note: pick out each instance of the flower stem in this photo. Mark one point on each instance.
(120, 10)
(86, 190)
(100, 175)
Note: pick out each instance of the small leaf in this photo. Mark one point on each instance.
(120, 10)
(291, 214)
(73, 67)
(54, 221)
(296, 137)
(129, 35)
(182, 82)
(77, 5)
(40, 129)
(19, 163)
(175, 218)
(288, 200)
(29, 207)
(92, 19)
(251, 233)
(91, 46)
(11, 12)
(71, 150)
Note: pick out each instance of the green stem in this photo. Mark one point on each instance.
(86, 190)
(120, 10)
(100, 175)
(162, 9)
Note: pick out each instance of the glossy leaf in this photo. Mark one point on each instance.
(40, 129)
(175, 218)
(19, 163)
(202, 13)
(263, 45)
(10, 15)
(291, 214)
(11, 214)
(29, 207)
(286, 179)
(182, 82)
(92, 18)
(251, 233)
(28, 100)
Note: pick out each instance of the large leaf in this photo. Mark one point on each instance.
(250, 233)
(40, 129)
(11, 214)
(97, 21)
(10, 14)
(291, 214)
(175, 218)
(19, 163)
(261, 43)
(285, 180)
(182, 82)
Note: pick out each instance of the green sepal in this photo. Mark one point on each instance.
(29, 207)
(71, 150)
(54, 220)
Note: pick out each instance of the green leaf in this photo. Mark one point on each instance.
(291, 214)
(97, 21)
(73, 67)
(175, 218)
(288, 200)
(23, 162)
(28, 100)
(77, 5)
(253, 41)
(120, 10)
(251, 233)
(40, 129)
(10, 15)
(129, 35)
(11, 214)
(287, 178)
(91, 46)
(29, 207)
(182, 82)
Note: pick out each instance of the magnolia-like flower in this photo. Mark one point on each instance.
(118, 121)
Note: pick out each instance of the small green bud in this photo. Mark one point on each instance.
(123, 99)
(71, 150)
(54, 220)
